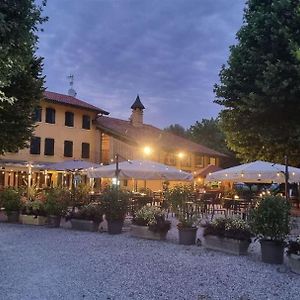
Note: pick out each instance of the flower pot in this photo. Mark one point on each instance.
(84, 225)
(231, 246)
(294, 263)
(187, 235)
(53, 221)
(33, 220)
(13, 217)
(272, 251)
(115, 226)
(143, 232)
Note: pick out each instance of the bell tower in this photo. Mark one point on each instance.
(136, 117)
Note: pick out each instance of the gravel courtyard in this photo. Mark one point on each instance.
(42, 263)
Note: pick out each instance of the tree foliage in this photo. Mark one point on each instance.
(260, 87)
(21, 81)
(176, 129)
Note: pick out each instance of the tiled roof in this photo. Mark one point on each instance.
(148, 134)
(69, 100)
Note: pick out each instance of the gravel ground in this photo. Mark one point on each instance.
(42, 263)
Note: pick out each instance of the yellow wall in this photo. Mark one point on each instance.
(59, 132)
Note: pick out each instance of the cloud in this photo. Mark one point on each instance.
(170, 52)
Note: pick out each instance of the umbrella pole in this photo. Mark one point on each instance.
(286, 177)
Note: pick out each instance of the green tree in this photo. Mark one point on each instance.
(21, 81)
(260, 86)
(176, 129)
(208, 133)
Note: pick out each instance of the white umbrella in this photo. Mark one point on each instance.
(257, 171)
(71, 165)
(140, 169)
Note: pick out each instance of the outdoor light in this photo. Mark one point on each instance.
(180, 154)
(236, 197)
(147, 150)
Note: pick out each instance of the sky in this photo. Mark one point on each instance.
(168, 51)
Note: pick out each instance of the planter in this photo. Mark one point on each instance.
(54, 221)
(85, 225)
(294, 263)
(33, 220)
(272, 251)
(13, 217)
(231, 246)
(187, 236)
(115, 227)
(143, 232)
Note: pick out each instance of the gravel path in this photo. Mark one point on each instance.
(42, 263)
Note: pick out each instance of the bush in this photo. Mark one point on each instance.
(34, 208)
(269, 220)
(92, 212)
(80, 195)
(153, 217)
(57, 201)
(230, 228)
(10, 199)
(114, 203)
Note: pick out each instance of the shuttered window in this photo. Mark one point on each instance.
(68, 149)
(49, 146)
(85, 150)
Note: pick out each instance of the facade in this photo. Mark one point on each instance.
(71, 129)
(65, 130)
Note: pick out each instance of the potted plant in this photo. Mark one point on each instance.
(293, 252)
(33, 211)
(149, 223)
(56, 205)
(87, 217)
(269, 221)
(228, 235)
(115, 206)
(179, 198)
(11, 202)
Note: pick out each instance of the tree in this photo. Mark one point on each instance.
(260, 87)
(21, 81)
(176, 129)
(208, 133)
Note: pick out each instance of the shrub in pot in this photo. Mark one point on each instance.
(115, 206)
(269, 221)
(56, 205)
(80, 195)
(149, 223)
(11, 201)
(179, 197)
(230, 235)
(87, 217)
(33, 211)
(293, 252)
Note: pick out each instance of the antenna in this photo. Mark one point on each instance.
(71, 91)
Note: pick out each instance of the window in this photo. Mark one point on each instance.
(212, 161)
(50, 115)
(35, 145)
(68, 149)
(69, 119)
(85, 150)
(199, 161)
(86, 122)
(170, 159)
(49, 146)
(37, 115)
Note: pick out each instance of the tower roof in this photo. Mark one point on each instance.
(137, 103)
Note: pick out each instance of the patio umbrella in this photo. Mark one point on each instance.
(257, 171)
(71, 165)
(140, 169)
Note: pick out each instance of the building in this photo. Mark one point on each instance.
(69, 128)
(65, 130)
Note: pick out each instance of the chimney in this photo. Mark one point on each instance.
(136, 117)
(71, 91)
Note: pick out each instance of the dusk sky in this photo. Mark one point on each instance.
(168, 51)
